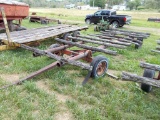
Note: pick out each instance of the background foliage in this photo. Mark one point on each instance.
(132, 4)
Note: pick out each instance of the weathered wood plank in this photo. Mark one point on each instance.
(150, 66)
(34, 30)
(135, 78)
(39, 35)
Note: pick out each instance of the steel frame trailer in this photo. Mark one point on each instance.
(149, 78)
(97, 68)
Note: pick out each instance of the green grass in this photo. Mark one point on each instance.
(144, 23)
(99, 99)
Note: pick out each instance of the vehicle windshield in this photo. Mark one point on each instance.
(97, 13)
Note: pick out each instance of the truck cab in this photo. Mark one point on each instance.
(108, 15)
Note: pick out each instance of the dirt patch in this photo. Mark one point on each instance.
(43, 86)
(64, 113)
(153, 30)
(72, 71)
(114, 72)
(119, 57)
(60, 97)
(10, 77)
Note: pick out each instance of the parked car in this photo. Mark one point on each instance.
(111, 16)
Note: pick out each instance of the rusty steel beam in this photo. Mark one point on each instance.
(31, 75)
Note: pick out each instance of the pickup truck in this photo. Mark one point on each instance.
(110, 15)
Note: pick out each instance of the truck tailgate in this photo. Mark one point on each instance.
(128, 19)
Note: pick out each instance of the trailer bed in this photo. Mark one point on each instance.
(38, 34)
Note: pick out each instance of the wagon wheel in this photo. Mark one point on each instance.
(75, 34)
(149, 74)
(100, 66)
(65, 36)
(137, 46)
(54, 46)
(95, 28)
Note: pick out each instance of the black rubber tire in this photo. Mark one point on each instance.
(75, 34)
(44, 22)
(88, 21)
(115, 24)
(95, 62)
(65, 36)
(53, 46)
(30, 20)
(121, 25)
(21, 28)
(138, 46)
(149, 74)
(95, 29)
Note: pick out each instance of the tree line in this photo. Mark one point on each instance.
(131, 4)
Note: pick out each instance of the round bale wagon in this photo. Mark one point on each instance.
(14, 11)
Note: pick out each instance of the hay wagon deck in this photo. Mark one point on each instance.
(36, 34)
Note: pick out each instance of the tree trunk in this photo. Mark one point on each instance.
(87, 47)
(135, 78)
(158, 48)
(129, 31)
(156, 51)
(150, 66)
(105, 40)
(97, 42)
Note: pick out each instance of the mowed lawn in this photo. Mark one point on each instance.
(58, 94)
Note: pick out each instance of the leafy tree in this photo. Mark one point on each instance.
(137, 3)
(154, 4)
(98, 3)
(114, 2)
(131, 5)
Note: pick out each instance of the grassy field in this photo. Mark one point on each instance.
(58, 94)
(138, 18)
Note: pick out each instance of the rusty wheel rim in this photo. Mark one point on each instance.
(101, 68)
